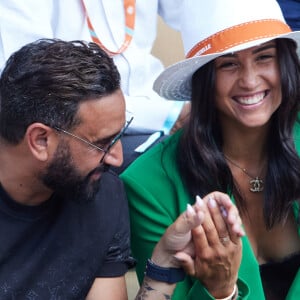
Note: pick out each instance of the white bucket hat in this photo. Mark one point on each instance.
(212, 28)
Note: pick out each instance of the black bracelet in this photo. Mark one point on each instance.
(169, 275)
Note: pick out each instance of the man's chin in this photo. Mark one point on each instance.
(95, 177)
(96, 174)
(86, 193)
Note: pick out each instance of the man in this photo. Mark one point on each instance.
(24, 22)
(64, 231)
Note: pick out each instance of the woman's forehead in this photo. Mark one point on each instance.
(252, 50)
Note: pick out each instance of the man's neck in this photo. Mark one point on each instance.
(24, 191)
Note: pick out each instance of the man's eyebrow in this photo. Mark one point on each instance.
(104, 140)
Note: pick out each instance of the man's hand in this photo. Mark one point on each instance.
(178, 237)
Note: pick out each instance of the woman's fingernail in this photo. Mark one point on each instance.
(223, 211)
(242, 231)
(199, 201)
(212, 202)
(238, 229)
(190, 210)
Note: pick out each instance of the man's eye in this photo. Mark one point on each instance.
(103, 143)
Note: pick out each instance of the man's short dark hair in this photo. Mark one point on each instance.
(45, 81)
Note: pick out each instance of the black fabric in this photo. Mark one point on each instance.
(291, 12)
(277, 277)
(130, 141)
(57, 249)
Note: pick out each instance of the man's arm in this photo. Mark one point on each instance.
(108, 288)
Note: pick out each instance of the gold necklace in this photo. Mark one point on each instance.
(256, 183)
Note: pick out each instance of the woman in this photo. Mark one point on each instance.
(242, 75)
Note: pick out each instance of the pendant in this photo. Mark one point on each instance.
(256, 185)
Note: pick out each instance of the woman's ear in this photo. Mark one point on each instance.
(40, 140)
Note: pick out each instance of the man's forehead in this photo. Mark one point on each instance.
(104, 112)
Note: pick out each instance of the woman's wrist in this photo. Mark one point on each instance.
(232, 296)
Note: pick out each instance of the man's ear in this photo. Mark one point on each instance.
(40, 140)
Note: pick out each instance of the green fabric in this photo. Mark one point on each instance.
(156, 198)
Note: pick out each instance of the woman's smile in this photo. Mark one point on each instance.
(251, 99)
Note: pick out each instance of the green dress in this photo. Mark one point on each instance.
(157, 197)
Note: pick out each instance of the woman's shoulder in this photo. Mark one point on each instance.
(155, 160)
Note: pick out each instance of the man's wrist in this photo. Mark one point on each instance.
(169, 275)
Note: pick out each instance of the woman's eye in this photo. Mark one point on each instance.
(265, 57)
(227, 65)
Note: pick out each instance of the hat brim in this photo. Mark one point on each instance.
(174, 83)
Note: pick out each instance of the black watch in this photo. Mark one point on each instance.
(169, 275)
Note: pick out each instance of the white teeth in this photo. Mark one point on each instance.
(250, 100)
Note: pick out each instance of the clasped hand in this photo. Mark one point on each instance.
(205, 241)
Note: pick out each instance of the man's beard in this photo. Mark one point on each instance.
(65, 179)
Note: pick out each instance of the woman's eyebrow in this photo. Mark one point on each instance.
(265, 47)
(262, 48)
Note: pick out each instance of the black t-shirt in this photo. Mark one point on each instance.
(57, 249)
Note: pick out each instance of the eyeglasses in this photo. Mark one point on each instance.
(105, 150)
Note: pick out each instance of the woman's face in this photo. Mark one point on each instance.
(248, 87)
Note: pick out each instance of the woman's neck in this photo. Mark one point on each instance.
(247, 145)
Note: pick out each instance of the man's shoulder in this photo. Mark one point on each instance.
(112, 194)
(111, 187)
(110, 177)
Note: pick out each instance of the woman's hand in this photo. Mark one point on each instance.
(217, 245)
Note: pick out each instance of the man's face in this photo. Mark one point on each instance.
(63, 177)
(75, 169)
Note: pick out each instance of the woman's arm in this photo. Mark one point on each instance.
(193, 241)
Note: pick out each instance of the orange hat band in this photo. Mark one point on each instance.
(237, 35)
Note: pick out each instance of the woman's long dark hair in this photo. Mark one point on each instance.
(200, 158)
